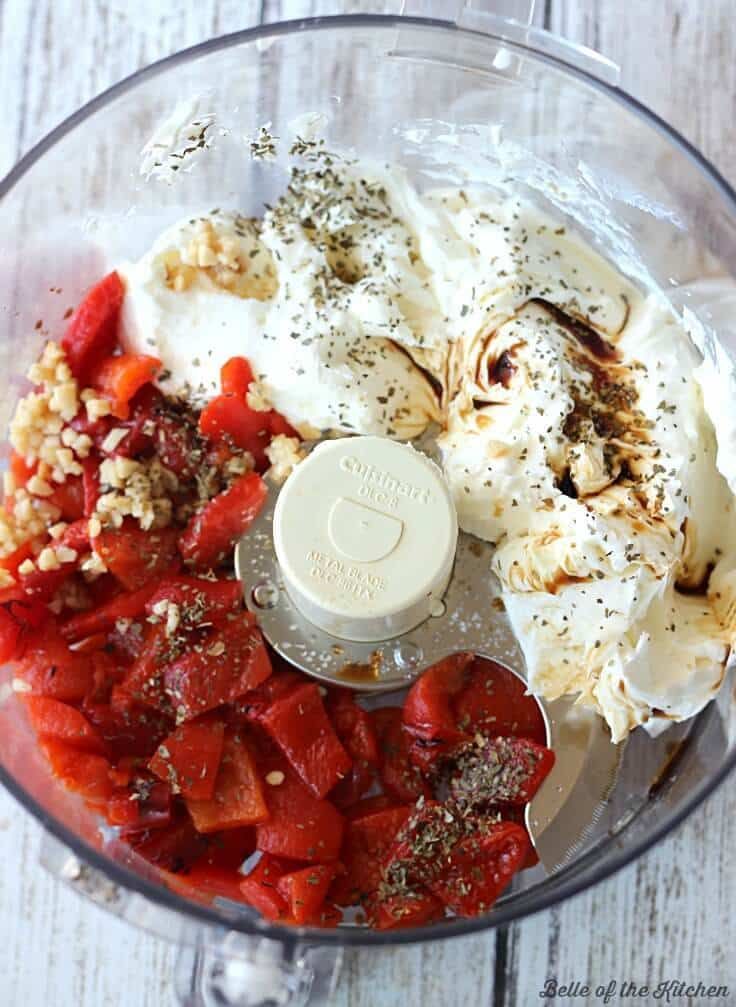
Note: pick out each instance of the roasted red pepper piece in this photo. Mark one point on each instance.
(13, 560)
(174, 847)
(205, 882)
(351, 788)
(368, 840)
(90, 486)
(228, 418)
(189, 758)
(128, 605)
(20, 469)
(480, 867)
(401, 778)
(304, 891)
(367, 805)
(300, 826)
(120, 377)
(50, 668)
(278, 424)
(136, 557)
(253, 704)
(410, 910)
(30, 615)
(236, 376)
(39, 585)
(53, 719)
(238, 795)
(76, 535)
(213, 532)
(145, 680)
(258, 889)
(218, 669)
(428, 713)
(69, 498)
(10, 636)
(229, 849)
(300, 727)
(354, 728)
(200, 601)
(144, 804)
(499, 771)
(84, 773)
(92, 330)
(493, 701)
(129, 730)
(353, 725)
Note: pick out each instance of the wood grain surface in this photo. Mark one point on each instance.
(668, 916)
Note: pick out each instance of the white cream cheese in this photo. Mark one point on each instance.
(574, 432)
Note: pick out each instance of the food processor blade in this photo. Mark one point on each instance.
(471, 618)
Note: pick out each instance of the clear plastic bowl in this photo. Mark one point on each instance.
(452, 105)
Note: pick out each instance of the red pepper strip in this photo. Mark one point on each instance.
(129, 605)
(218, 669)
(92, 330)
(298, 724)
(189, 758)
(216, 528)
(238, 795)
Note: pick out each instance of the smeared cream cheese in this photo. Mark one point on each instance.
(574, 435)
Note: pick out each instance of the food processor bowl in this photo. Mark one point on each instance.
(482, 101)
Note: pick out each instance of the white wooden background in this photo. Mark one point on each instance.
(671, 915)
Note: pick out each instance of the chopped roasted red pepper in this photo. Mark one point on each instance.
(92, 330)
(259, 890)
(10, 636)
(428, 713)
(135, 556)
(494, 701)
(228, 418)
(143, 804)
(145, 679)
(189, 758)
(368, 840)
(253, 704)
(69, 498)
(50, 668)
(353, 725)
(300, 826)
(229, 849)
(200, 602)
(413, 909)
(220, 668)
(236, 376)
(53, 719)
(499, 771)
(238, 795)
(90, 486)
(205, 882)
(299, 725)
(84, 773)
(126, 605)
(400, 777)
(304, 890)
(20, 469)
(216, 528)
(129, 730)
(480, 867)
(174, 847)
(120, 377)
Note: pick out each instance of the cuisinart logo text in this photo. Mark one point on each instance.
(380, 486)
